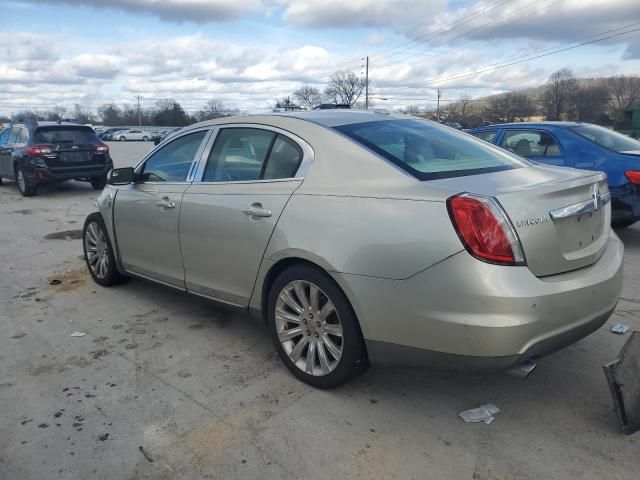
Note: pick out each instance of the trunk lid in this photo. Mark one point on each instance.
(553, 212)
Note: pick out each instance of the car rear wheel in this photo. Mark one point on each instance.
(122, 139)
(26, 187)
(98, 252)
(314, 328)
(98, 183)
(145, 139)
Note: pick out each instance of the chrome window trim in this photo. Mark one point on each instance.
(194, 162)
(308, 154)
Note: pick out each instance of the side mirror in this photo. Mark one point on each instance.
(121, 176)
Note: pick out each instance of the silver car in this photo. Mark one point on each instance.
(362, 237)
(133, 134)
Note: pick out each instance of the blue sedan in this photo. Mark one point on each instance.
(579, 145)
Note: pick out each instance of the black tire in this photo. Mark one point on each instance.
(122, 139)
(98, 183)
(353, 359)
(26, 187)
(111, 276)
(145, 139)
(623, 223)
(0, 180)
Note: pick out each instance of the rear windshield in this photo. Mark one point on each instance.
(428, 150)
(66, 134)
(607, 138)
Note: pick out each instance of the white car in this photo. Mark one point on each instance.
(124, 135)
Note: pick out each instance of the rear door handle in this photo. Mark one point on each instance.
(256, 210)
(166, 203)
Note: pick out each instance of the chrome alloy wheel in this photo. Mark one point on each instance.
(95, 244)
(22, 182)
(309, 328)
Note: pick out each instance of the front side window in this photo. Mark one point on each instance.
(531, 143)
(607, 138)
(487, 135)
(246, 154)
(14, 136)
(173, 161)
(428, 150)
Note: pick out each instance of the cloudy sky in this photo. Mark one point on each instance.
(247, 53)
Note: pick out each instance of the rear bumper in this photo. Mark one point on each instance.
(463, 313)
(59, 174)
(625, 202)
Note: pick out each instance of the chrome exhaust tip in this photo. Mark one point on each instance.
(523, 370)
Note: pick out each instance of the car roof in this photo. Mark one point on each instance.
(559, 124)
(326, 118)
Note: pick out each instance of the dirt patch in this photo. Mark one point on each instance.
(26, 211)
(46, 369)
(65, 235)
(68, 281)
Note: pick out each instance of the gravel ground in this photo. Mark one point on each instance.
(202, 391)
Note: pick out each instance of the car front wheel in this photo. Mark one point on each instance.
(314, 328)
(122, 139)
(98, 252)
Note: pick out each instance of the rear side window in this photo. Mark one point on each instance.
(488, 135)
(428, 150)
(66, 134)
(173, 161)
(531, 143)
(24, 136)
(245, 154)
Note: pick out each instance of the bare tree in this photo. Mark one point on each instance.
(466, 107)
(214, 108)
(624, 91)
(590, 103)
(509, 107)
(308, 96)
(558, 93)
(345, 87)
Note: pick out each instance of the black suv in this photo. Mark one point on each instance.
(49, 152)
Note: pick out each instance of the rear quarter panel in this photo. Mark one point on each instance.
(377, 237)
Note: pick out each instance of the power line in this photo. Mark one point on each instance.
(527, 58)
(464, 34)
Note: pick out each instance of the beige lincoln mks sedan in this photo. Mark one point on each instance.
(362, 236)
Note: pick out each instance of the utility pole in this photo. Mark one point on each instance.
(366, 86)
(139, 114)
(438, 107)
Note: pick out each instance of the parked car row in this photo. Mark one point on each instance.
(360, 237)
(130, 134)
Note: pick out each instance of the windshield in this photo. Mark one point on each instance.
(65, 134)
(430, 151)
(607, 138)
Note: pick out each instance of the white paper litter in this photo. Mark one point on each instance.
(78, 334)
(620, 328)
(484, 413)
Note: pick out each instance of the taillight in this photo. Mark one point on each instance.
(633, 176)
(102, 148)
(484, 229)
(39, 150)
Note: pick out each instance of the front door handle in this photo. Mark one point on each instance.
(256, 210)
(166, 203)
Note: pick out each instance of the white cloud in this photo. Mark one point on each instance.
(173, 10)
